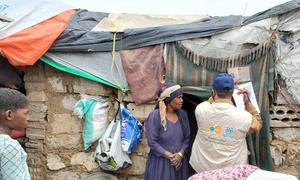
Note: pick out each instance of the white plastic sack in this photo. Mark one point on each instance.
(94, 111)
(109, 153)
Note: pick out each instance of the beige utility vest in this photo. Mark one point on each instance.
(220, 140)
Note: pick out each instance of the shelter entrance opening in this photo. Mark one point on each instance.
(190, 103)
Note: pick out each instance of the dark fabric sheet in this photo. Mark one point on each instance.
(274, 11)
(78, 33)
(79, 38)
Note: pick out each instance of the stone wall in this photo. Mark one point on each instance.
(54, 147)
(285, 138)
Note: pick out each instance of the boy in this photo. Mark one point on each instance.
(13, 116)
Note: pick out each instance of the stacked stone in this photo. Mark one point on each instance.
(36, 127)
(285, 136)
(54, 147)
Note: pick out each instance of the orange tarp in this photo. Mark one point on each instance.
(26, 47)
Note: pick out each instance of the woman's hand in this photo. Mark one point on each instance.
(176, 161)
(169, 155)
(178, 167)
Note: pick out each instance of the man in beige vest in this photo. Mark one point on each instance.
(222, 128)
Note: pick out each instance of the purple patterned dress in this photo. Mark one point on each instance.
(240, 172)
(175, 138)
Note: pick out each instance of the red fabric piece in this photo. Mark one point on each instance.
(16, 134)
(143, 69)
(27, 46)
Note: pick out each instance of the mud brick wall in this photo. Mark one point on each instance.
(285, 138)
(55, 147)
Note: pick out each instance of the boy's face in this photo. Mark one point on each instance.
(17, 119)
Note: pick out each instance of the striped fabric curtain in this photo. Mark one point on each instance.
(193, 70)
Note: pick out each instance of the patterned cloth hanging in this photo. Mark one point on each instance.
(186, 68)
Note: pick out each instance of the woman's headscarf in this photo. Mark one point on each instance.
(167, 93)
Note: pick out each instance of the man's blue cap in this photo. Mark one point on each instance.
(223, 81)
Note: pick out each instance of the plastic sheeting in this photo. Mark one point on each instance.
(74, 71)
(119, 22)
(78, 34)
(26, 13)
(231, 43)
(290, 22)
(99, 65)
(288, 58)
(274, 11)
(76, 39)
(79, 39)
(288, 66)
(27, 46)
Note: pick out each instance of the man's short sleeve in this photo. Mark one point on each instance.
(246, 121)
(13, 162)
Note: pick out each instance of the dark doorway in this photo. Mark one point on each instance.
(190, 103)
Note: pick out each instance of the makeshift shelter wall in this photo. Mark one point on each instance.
(285, 138)
(55, 135)
(55, 147)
